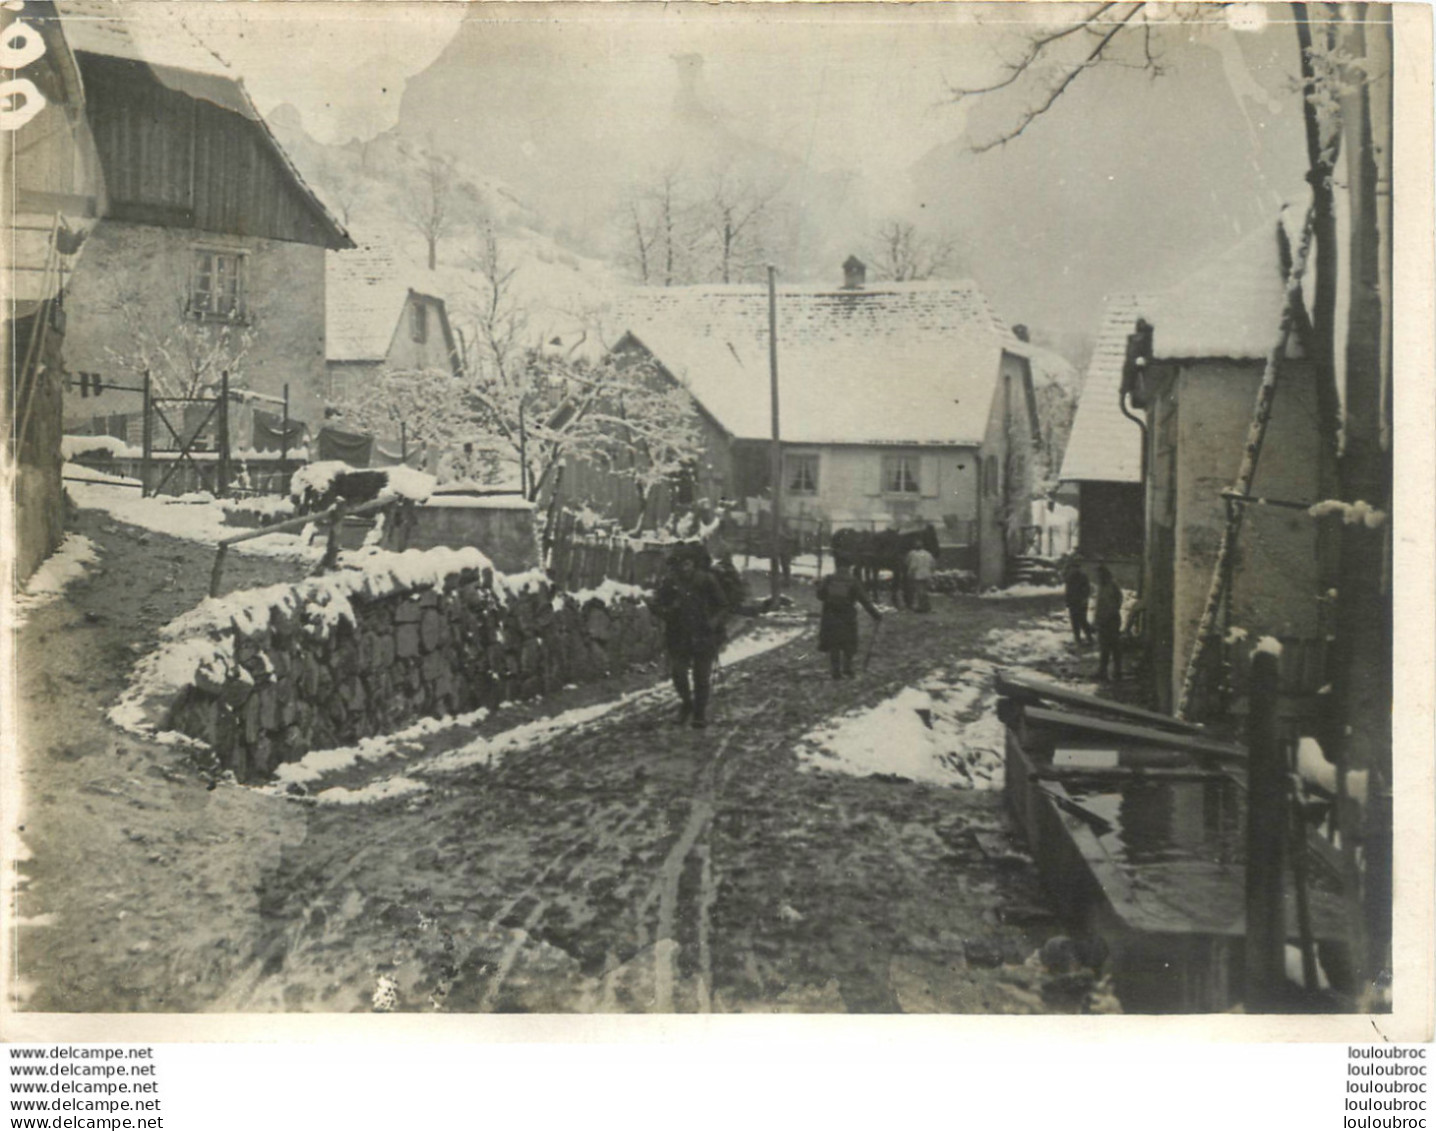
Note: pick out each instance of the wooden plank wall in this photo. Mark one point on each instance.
(182, 161)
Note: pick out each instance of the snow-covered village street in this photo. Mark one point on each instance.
(711, 509)
(823, 846)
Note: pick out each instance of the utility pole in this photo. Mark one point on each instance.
(776, 454)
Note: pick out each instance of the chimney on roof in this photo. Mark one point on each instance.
(855, 274)
(1020, 333)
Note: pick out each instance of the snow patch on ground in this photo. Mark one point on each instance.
(943, 730)
(758, 641)
(318, 763)
(198, 517)
(384, 790)
(1024, 590)
(67, 564)
(930, 732)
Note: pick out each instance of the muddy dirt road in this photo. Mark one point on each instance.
(617, 863)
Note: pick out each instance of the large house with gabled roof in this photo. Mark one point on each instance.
(209, 255)
(899, 404)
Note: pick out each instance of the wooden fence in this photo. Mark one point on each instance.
(578, 560)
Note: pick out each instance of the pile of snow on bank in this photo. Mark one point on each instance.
(66, 565)
(198, 517)
(400, 482)
(198, 646)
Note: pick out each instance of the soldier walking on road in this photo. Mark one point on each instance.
(841, 593)
(692, 606)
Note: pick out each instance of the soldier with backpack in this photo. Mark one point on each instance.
(693, 606)
(841, 593)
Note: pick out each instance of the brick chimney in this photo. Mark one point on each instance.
(855, 274)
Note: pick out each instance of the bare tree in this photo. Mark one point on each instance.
(187, 353)
(657, 230)
(429, 205)
(427, 405)
(730, 220)
(903, 254)
(542, 406)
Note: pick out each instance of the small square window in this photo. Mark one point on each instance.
(217, 288)
(900, 475)
(802, 474)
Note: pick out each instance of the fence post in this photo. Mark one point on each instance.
(1268, 819)
(222, 471)
(284, 442)
(146, 440)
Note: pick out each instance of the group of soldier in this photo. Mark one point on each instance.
(1106, 621)
(697, 594)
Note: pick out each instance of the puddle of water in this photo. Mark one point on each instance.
(1167, 822)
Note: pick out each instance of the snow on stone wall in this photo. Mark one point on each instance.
(262, 677)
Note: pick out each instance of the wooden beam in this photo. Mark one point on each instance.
(1027, 690)
(1148, 736)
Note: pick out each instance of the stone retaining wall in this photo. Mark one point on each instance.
(313, 675)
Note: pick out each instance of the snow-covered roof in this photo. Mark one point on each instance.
(934, 308)
(365, 292)
(157, 34)
(1229, 307)
(146, 33)
(1104, 445)
(904, 363)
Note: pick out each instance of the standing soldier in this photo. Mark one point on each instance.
(1077, 591)
(692, 606)
(841, 593)
(920, 564)
(1109, 624)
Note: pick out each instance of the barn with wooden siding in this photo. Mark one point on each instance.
(211, 250)
(1103, 460)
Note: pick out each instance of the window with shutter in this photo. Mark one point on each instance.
(901, 475)
(801, 474)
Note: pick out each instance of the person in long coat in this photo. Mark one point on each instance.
(1077, 592)
(1109, 624)
(841, 593)
(692, 606)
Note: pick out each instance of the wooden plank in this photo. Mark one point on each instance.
(1021, 687)
(1148, 735)
(1126, 773)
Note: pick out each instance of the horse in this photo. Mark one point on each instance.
(869, 552)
